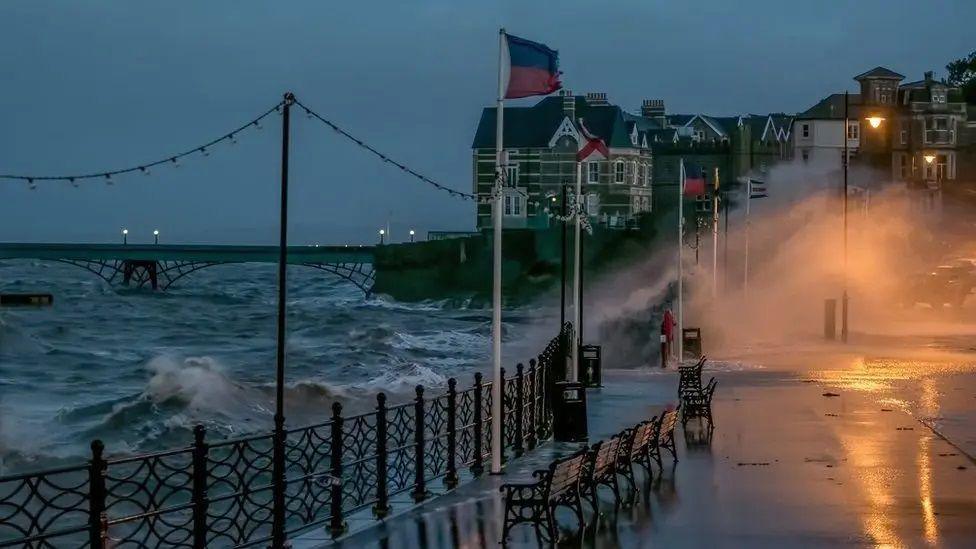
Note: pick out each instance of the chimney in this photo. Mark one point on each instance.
(596, 98)
(569, 103)
(654, 108)
(928, 76)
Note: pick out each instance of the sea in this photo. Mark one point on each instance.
(139, 369)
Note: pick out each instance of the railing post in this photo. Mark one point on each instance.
(502, 413)
(201, 500)
(420, 485)
(451, 478)
(519, 408)
(533, 402)
(278, 483)
(337, 526)
(97, 530)
(477, 465)
(382, 507)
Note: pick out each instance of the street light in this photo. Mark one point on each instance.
(929, 158)
(411, 235)
(382, 236)
(156, 236)
(125, 236)
(875, 121)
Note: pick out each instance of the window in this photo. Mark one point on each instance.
(645, 203)
(700, 135)
(941, 167)
(513, 204)
(806, 131)
(618, 171)
(592, 204)
(806, 154)
(641, 174)
(903, 168)
(853, 130)
(633, 172)
(637, 204)
(512, 174)
(647, 175)
(904, 137)
(592, 172)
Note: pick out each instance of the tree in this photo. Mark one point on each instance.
(962, 73)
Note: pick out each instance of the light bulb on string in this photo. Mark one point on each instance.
(31, 185)
(175, 161)
(73, 182)
(108, 179)
(257, 124)
(204, 151)
(144, 170)
(233, 139)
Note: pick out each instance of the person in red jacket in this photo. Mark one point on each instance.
(667, 330)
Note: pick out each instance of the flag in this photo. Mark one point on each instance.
(593, 144)
(533, 68)
(757, 189)
(694, 185)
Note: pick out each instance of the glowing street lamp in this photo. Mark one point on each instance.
(929, 158)
(411, 235)
(875, 121)
(382, 236)
(156, 236)
(125, 236)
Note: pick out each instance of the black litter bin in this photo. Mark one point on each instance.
(691, 342)
(590, 372)
(569, 412)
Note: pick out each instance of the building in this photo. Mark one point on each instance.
(640, 176)
(541, 142)
(922, 129)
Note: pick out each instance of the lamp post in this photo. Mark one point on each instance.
(382, 236)
(125, 236)
(847, 158)
(412, 233)
(156, 236)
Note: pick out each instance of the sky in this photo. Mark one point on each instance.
(100, 85)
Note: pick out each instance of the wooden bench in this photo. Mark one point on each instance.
(698, 404)
(536, 501)
(690, 377)
(664, 437)
(635, 450)
(602, 470)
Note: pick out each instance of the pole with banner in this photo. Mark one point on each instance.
(496, 313)
(577, 310)
(715, 237)
(681, 228)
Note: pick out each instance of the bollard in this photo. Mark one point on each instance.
(200, 498)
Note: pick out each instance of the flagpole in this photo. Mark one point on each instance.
(748, 223)
(496, 316)
(715, 238)
(577, 310)
(681, 230)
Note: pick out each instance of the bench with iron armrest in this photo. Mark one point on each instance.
(664, 437)
(635, 450)
(536, 501)
(690, 377)
(698, 404)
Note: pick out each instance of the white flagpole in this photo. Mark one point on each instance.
(681, 231)
(748, 203)
(577, 314)
(715, 237)
(496, 316)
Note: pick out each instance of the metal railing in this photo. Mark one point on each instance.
(222, 494)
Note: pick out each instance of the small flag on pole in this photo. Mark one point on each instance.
(694, 184)
(593, 145)
(533, 68)
(757, 189)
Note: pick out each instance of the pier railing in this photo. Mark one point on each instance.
(222, 493)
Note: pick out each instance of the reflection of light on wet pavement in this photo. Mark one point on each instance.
(929, 523)
(863, 451)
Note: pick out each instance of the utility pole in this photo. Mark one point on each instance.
(847, 160)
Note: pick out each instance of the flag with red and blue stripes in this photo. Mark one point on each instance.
(533, 68)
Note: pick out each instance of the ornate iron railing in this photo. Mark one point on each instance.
(222, 494)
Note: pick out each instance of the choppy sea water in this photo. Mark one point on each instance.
(138, 369)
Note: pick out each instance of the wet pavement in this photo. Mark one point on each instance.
(786, 466)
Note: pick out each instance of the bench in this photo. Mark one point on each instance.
(664, 437)
(635, 450)
(698, 404)
(690, 377)
(536, 501)
(602, 470)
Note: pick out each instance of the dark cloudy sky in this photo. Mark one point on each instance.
(96, 85)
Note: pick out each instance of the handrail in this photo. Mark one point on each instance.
(220, 493)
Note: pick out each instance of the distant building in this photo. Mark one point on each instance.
(924, 132)
(541, 142)
(642, 172)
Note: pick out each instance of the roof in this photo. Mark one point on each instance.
(832, 107)
(880, 72)
(534, 126)
(679, 119)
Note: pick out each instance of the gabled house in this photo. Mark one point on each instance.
(541, 142)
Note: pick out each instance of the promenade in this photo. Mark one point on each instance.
(786, 466)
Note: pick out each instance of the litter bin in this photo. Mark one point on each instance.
(691, 342)
(590, 365)
(569, 412)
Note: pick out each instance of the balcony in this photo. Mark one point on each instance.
(940, 137)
